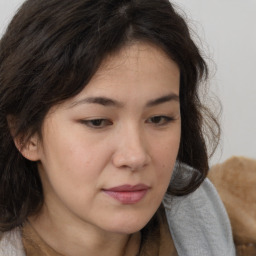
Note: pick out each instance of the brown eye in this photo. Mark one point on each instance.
(160, 120)
(97, 123)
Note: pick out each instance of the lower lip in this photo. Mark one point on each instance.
(127, 197)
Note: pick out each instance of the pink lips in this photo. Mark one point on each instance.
(127, 194)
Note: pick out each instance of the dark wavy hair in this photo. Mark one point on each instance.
(51, 50)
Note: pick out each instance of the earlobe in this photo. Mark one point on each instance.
(28, 148)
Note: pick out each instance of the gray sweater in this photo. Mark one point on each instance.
(198, 223)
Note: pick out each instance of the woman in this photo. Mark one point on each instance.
(99, 101)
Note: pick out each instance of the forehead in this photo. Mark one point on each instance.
(137, 57)
(135, 79)
(139, 72)
(136, 66)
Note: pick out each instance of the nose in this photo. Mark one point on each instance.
(131, 151)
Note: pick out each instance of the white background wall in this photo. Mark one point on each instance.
(228, 32)
(228, 29)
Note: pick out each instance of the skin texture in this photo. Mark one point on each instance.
(124, 144)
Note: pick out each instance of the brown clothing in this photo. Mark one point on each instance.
(235, 181)
(35, 246)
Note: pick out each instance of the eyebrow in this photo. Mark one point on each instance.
(104, 101)
(163, 99)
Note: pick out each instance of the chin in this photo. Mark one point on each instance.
(128, 225)
(126, 229)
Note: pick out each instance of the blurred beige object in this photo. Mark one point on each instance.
(235, 181)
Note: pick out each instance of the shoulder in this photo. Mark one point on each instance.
(199, 223)
(11, 243)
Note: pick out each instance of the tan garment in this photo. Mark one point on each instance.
(153, 246)
(35, 246)
(235, 181)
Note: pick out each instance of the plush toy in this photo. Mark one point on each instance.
(235, 181)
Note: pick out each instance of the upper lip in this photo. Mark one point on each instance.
(128, 188)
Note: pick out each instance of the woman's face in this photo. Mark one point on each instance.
(107, 155)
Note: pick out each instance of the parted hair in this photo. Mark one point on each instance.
(51, 50)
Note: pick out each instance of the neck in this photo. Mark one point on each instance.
(69, 237)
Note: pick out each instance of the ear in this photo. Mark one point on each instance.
(28, 148)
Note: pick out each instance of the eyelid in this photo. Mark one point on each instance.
(165, 118)
(89, 123)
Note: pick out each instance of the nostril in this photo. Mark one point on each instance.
(131, 160)
(131, 153)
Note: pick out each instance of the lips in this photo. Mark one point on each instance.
(127, 194)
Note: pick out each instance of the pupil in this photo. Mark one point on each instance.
(97, 122)
(156, 119)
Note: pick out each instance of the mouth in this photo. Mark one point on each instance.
(128, 194)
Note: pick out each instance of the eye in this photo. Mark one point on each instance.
(160, 120)
(97, 123)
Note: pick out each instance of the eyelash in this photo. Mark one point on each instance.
(160, 120)
(101, 123)
(98, 123)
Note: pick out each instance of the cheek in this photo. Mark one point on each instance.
(75, 164)
(166, 151)
(164, 156)
(69, 172)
